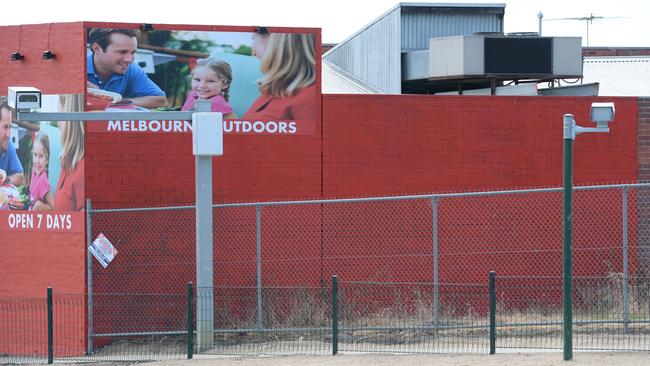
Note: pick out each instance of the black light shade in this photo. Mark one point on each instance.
(146, 27)
(261, 30)
(48, 55)
(17, 56)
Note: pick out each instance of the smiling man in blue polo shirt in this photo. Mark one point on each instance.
(110, 67)
(11, 171)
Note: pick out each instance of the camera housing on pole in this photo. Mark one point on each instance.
(24, 98)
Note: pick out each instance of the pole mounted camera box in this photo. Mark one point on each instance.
(24, 97)
(602, 113)
(207, 133)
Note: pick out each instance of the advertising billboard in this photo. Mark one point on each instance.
(262, 82)
(42, 169)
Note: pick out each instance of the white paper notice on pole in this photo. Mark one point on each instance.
(103, 250)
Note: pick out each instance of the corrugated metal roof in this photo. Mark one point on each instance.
(620, 75)
(336, 81)
(421, 23)
(373, 54)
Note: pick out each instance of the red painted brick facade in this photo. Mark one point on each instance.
(393, 145)
(367, 145)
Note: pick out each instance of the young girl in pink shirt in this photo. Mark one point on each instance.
(39, 185)
(211, 80)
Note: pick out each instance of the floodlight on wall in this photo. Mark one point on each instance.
(48, 55)
(17, 56)
(261, 30)
(146, 27)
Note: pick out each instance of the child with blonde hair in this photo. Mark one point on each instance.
(211, 80)
(40, 191)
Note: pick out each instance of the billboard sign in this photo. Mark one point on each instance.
(263, 83)
(42, 169)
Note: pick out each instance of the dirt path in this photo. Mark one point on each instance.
(513, 359)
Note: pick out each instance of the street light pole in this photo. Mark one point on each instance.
(602, 114)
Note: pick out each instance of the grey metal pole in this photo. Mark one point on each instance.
(89, 273)
(258, 234)
(434, 207)
(204, 246)
(626, 304)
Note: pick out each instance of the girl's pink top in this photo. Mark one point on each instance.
(219, 103)
(39, 185)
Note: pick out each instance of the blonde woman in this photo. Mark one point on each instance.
(69, 194)
(287, 89)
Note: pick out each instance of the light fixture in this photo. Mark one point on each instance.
(17, 56)
(262, 30)
(48, 55)
(146, 27)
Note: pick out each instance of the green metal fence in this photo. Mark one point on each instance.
(503, 313)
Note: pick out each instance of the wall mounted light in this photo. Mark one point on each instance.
(146, 27)
(261, 30)
(17, 56)
(48, 55)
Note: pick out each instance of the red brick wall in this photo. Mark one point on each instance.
(32, 261)
(393, 145)
(370, 145)
(613, 51)
(61, 75)
(643, 151)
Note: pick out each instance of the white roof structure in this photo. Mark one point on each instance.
(337, 81)
(627, 76)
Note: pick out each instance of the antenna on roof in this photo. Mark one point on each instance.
(588, 20)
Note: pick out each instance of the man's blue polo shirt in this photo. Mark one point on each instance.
(134, 83)
(9, 160)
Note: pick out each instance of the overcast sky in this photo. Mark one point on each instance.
(626, 22)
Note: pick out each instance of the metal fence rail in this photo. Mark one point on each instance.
(529, 313)
(504, 313)
(23, 330)
(405, 317)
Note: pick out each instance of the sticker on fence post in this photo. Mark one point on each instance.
(103, 250)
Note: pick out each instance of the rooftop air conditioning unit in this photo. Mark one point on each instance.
(499, 56)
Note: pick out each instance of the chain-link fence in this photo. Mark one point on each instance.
(447, 238)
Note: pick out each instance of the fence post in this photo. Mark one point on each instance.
(258, 235)
(89, 274)
(335, 315)
(493, 310)
(434, 208)
(50, 330)
(190, 320)
(626, 308)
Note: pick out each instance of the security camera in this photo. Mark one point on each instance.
(602, 113)
(24, 98)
